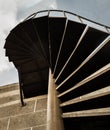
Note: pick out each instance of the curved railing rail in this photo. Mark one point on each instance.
(42, 11)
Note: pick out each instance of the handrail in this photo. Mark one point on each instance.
(34, 14)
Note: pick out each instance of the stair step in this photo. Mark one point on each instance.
(14, 107)
(39, 127)
(42, 127)
(9, 96)
(28, 120)
(4, 123)
(9, 87)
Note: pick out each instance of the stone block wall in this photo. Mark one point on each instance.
(14, 117)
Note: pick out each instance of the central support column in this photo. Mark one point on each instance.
(54, 119)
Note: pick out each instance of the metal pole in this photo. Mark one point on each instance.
(20, 87)
(54, 119)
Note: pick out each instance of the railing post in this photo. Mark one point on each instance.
(20, 87)
(54, 119)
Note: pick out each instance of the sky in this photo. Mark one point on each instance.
(14, 11)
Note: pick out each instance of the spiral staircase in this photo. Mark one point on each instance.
(68, 57)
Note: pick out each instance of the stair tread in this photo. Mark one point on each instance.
(32, 104)
(9, 93)
(28, 120)
(25, 100)
(10, 87)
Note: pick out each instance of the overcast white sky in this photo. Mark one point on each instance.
(13, 11)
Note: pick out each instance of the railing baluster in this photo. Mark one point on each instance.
(85, 113)
(88, 96)
(83, 34)
(87, 59)
(89, 78)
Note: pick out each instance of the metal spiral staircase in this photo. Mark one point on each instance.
(68, 56)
